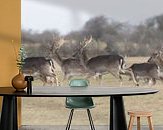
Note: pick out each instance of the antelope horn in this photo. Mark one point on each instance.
(87, 41)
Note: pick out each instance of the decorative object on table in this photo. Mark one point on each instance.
(18, 81)
(29, 80)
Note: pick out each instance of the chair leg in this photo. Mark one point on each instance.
(138, 123)
(150, 123)
(70, 119)
(90, 119)
(131, 123)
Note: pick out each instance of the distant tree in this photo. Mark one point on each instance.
(96, 26)
(29, 36)
(112, 36)
(155, 22)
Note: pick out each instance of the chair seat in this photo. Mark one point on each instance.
(77, 107)
(140, 113)
(79, 102)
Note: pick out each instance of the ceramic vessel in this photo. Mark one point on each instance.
(18, 82)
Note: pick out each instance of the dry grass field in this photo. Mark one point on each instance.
(51, 111)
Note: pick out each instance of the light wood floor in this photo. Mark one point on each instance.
(52, 127)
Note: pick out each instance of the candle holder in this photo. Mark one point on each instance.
(29, 80)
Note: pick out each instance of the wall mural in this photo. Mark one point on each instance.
(109, 42)
(93, 40)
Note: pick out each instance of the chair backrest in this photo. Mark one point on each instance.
(79, 102)
(79, 83)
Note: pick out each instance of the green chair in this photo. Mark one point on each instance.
(79, 102)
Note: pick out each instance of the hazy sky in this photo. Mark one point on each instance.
(68, 15)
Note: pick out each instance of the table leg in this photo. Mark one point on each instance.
(9, 113)
(117, 114)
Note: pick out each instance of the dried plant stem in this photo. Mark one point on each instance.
(15, 52)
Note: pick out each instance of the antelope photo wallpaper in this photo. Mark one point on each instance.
(105, 41)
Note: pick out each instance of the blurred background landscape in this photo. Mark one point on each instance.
(133, 29)
(128, 28)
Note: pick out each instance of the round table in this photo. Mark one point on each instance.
(117, 111)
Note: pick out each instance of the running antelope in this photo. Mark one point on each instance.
(70, 66)
(148, 72)
(102, 64)
(157, 58)
(41, 68)
(79, 64)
